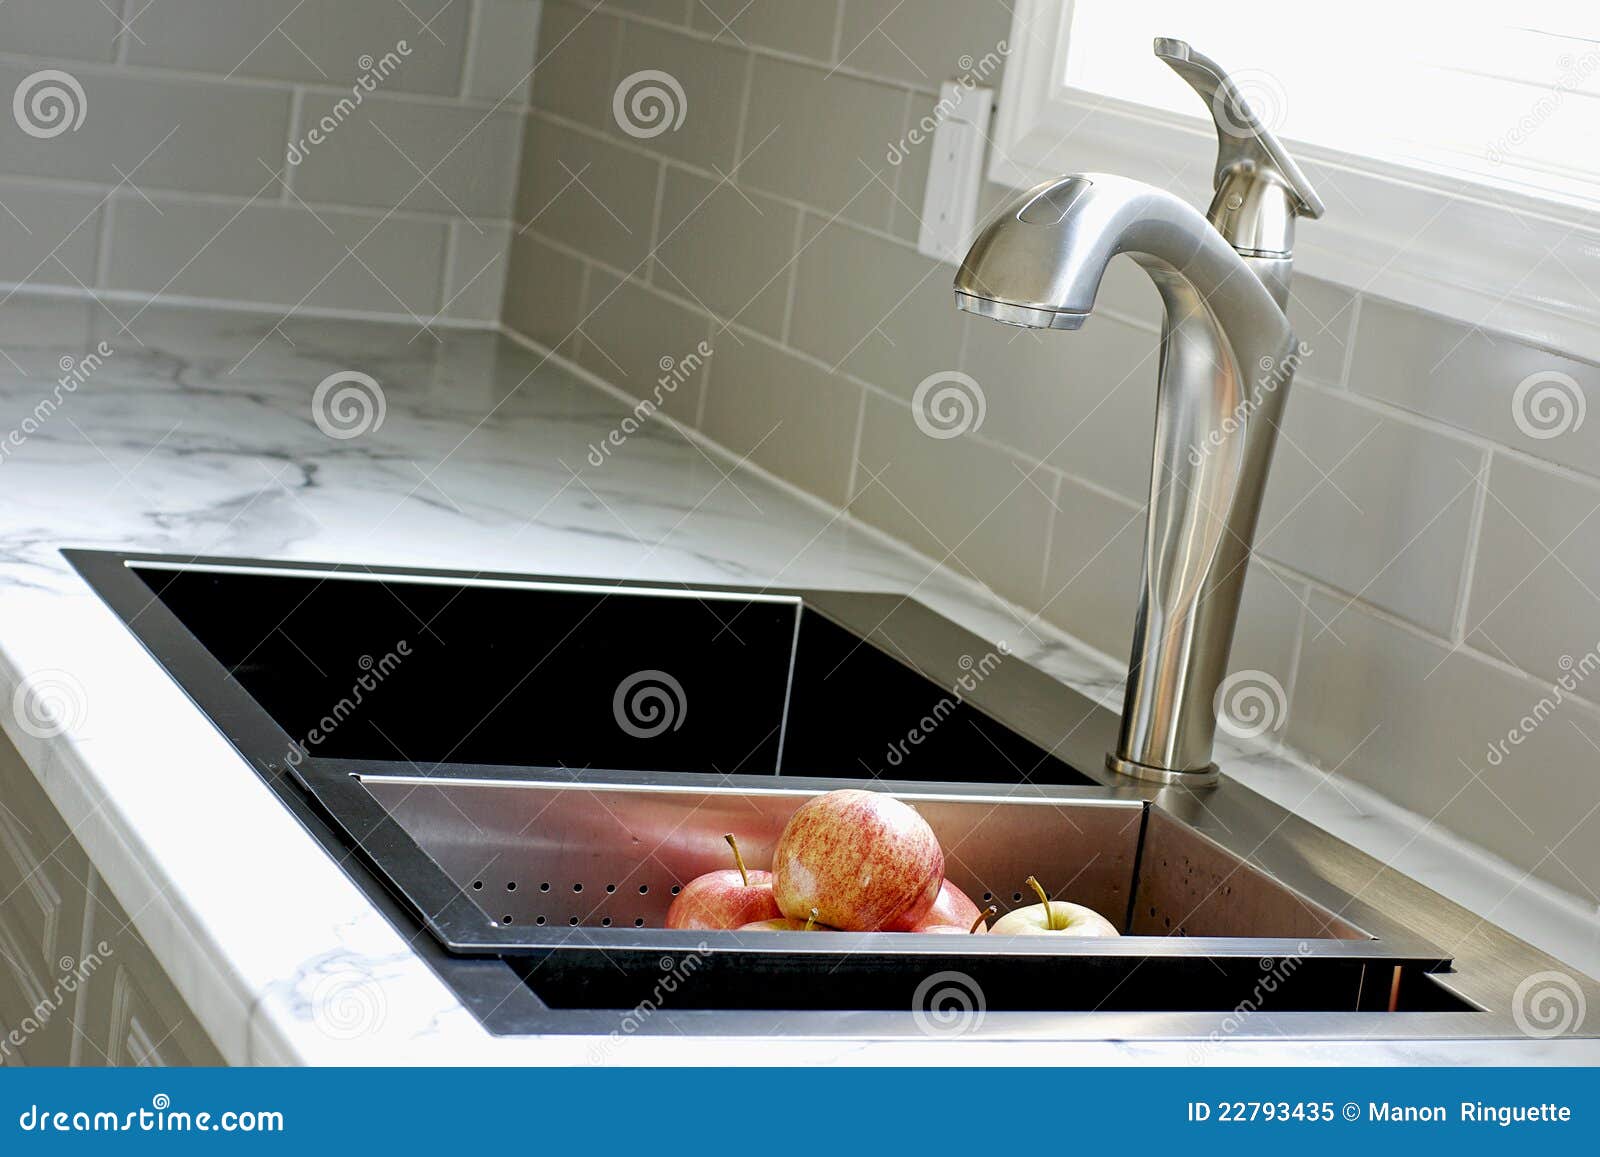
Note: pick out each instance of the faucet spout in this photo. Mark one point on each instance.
(1226, 357)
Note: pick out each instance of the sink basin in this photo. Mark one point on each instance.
(527, 769)
(481, 671)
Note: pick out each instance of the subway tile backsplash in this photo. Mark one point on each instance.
(1426, 563)
(192, 172)
(1426, 560)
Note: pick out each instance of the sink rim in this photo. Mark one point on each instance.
(1489, 962)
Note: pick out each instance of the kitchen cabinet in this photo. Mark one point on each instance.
(78, 985)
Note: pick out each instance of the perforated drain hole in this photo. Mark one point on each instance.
(644, 889)
(577, 887)
(638, 922)
(573, 920)
(477, 885)
(511, 885)
(676, 889)
(544, 887)
(605, 921)
(505, 919)
(538, 920)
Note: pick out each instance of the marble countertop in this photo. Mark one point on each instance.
(196, 435)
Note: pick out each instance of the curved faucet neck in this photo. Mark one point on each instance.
(1227, 356)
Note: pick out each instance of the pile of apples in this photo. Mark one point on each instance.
(861, 861)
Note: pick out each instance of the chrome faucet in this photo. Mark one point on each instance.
(1227, 356)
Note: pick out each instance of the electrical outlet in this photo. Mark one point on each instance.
(955, 171)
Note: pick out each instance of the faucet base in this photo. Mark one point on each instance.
(1200, 777)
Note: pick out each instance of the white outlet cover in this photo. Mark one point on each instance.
(960, 126)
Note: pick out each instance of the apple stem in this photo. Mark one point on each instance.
(991, 910)
(738, 860)
(811, 921)
(1049, 912)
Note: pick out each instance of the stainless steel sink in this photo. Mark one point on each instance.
(530, 779)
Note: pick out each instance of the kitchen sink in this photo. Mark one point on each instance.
(530, 768)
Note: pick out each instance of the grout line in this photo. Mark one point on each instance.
(852, 476)
(1349, 359)
(649, 264)
(838, 34)
(1052, 516)
(1469, 564)
(705, 377)
(257, 83)
(102, 257)
(614, 73)
(745, 94)
(897, 203)
(451, 245)
(124, 37)
(25, 290)
(1296, 652)
(585, 284)
(785, 329)
(831, 67)
(469, 55)
(297, 108)
(235, 200)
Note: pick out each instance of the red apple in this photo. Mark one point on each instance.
(952, 906)
(727, 898)
(977, 926)
(862, 859)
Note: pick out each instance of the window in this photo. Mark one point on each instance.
(1456, 145)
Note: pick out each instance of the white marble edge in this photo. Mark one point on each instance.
(201, 441)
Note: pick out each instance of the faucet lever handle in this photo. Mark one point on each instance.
(1245, 146)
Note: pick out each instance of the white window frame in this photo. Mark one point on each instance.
(1468, 251)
